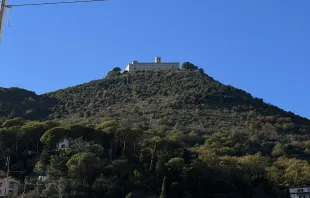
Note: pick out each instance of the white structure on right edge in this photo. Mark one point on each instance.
(157, 65)
(302, 192)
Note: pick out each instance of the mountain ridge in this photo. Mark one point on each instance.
(25, 103)
(50, 103)
(30, 93)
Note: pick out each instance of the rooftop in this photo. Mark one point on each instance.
(157, 61)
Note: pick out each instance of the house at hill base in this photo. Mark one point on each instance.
(65, 143)
(9, 186)
(302, 192)
(157, 65)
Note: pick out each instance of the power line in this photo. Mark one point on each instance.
(53, 3)
(3, 7)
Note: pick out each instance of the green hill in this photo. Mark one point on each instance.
(186, 101)
(176, 98)
(158, 101)
(149, 134)
(20, 102)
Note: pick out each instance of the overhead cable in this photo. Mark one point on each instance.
(53, 3)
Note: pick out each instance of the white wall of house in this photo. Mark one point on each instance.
(303, 192)
(9, 186)
(64, 143)
(42, 178)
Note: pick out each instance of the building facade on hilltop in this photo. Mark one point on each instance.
(157, 65)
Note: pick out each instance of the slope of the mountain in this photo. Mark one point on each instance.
(23, 103)
(171, 133)
(165, 99)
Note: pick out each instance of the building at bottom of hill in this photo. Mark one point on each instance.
(9, 186)
(302, 192)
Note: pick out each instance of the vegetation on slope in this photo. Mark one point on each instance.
(20, 102)
(161, 133)
(163, 99)
(108, 160)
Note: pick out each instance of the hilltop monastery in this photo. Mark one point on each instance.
(157, 65)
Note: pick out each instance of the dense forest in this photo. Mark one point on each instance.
(176, 133)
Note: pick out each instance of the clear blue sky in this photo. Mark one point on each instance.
(260, 46)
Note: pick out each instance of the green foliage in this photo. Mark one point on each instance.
(16, 102)
(189, 66)
(82, 165)
(176, 163)
(278, 150)
(158, 133)
(290, 172)
(52, 136)
(145, 163)
(116, 69)
(13, 122)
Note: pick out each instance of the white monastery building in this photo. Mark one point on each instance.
(157, 65)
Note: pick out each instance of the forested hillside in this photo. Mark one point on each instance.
(162, 100)
(20, 102)
(155, 134)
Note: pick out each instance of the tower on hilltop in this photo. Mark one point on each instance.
(157, 59)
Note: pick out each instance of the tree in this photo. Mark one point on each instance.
(155, 140)
(278, 150)
(52, 136)
(12, 115)
(163, 193)
(201, 70)
(110, 127)
(116, 69)
(253, 165)
(13, 122)
(176, 163)
(290, 172)
(32, 132)
(83, 166)
(189, 66)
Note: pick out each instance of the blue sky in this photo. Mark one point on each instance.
(260, 46)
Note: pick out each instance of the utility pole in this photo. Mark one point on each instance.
(25, 185)
(8, 159)
(7, 163)
(2, 11)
